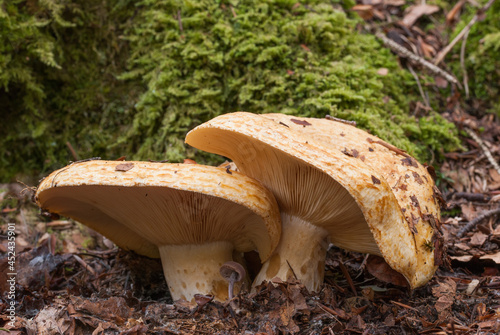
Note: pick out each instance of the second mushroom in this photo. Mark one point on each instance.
(194, 215)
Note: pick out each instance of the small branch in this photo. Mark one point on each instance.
(479, 218)
(485, 149)
(419, 86)
(73, 152)
(390, 147)
(440, 56)
(85, 265)
(462, 65)
(403, 52)
(180, 20)
(333, 118)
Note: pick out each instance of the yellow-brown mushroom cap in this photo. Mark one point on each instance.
(410, 181)
(141, 205)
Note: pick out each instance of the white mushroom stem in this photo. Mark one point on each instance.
(191, 269)
(300, 254)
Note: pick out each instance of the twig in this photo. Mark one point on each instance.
(180, 20)
(404, 305)
(485, 149)
(333, 118)
(419, 85)
(403, 52)
(390, 147)
(329, 311)
(85, 265)
(480, 197)
(73, 152)
(440, 56)
(479, 218)
(293, 272)
(462, 65)
(348, 277)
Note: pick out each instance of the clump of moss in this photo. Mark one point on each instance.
(181, 63)
(59, 60)
(199, 59)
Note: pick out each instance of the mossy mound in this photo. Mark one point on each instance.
(188, 61)
(59, 60)
(205, 58)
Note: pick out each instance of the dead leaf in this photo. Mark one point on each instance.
(124, 167)
(445, 292)
(378, 268)
(465, 258)
(114, 309)
(441, 82)
(418, 11)
(494, 257)
(383, 71)
(478, 239)
(427, 49)
(454, 12)
(364, 11)
(446, 287)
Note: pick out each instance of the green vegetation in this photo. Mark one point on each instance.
(482, 58)
(58, 65)
(205, 58)
(131, 78)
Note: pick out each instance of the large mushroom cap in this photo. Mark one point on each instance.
(142, 206)
(410, 181)
(338, 194)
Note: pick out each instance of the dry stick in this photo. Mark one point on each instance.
(180, 20)
(462, 65)
(333, 118)
(85, 265)
(440, 56)
(73, 152)
(485, 149)
(403, 52)
(479, 218)
(419, 86)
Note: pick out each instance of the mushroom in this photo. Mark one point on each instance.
(322, 193)
(195, 216)
(233, 273)
(411, 182)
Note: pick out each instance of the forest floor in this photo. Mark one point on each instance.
(70, 280)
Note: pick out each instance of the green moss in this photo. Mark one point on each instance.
(482, 59)
(117, 78)
(269, 56)
(58, 65)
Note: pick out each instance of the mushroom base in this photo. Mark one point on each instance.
(191, 269)
(300, 254)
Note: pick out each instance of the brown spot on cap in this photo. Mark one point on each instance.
(417, 178)
(409, 162)
(352, 153)
(414, 201)
(375, 180)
